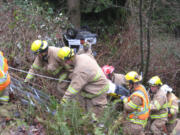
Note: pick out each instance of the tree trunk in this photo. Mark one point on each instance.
(74, 12)
(148, 42)
(141, 37)
(177, 83)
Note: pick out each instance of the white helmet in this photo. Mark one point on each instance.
(166, 88)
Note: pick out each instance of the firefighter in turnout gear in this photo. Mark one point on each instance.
(85, 49)
(87, 80)
(118, 79)
(117, 82)
(4, 79)
(47, 61)
(158, 106)
(136, 106)
(173, 108)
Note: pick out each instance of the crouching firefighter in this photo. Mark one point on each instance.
(158, 106)
(173, 109)
(47, 61)
(136, 106)
(4, 80)
(87, 80)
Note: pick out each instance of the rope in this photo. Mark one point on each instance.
(51, 78)
(42, 76)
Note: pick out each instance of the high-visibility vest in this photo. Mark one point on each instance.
(141, 115)
(3, 63)
(4, 80)
(4, 76)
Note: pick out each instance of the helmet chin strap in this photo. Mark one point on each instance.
(42, 44)
(70, 54)
(45, 58)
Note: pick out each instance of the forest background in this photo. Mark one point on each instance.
(132, 35)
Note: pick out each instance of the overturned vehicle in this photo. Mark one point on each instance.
(78, 39)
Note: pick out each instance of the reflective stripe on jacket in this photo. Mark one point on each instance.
(53, 65)
(89, 95)
(173, 103)
(3, 63)
(141, 113)
(87, 79)
(159, 105)
(4, 98)
(102, 91)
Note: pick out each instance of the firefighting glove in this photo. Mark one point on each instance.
(120, 90)
(63, 101)
(112, 88)
(122, 97)
(62, 77)
(26, 80)
(140, 109)
(169, 113)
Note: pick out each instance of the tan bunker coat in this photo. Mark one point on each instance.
(89, 81)
(173, 111)
(119, 79)
(53, 66)
(159, 112)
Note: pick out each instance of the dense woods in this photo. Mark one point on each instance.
(135, 35)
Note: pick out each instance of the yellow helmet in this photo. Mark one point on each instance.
(65, 53)
(133, 76)
(155, 81)
(39, 46)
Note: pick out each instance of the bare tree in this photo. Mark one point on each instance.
(148, 42)
(141, 36)
(74, 12)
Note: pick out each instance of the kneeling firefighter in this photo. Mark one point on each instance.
(47, 61)
(136, 106)
(158, 105)
(173, 108)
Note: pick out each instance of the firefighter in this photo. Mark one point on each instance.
(117, 83)
(136, 106)
(158, 105)
(87, 80)
(4, 80)
(118, 79)
(173, 108)
(47, 61)
(86, 49)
